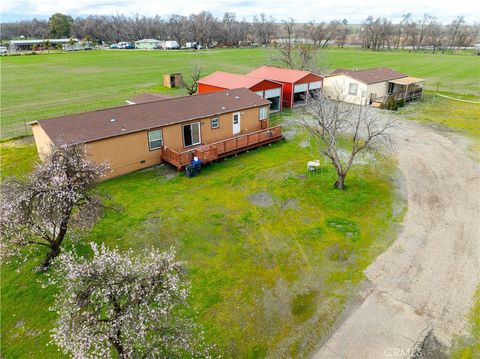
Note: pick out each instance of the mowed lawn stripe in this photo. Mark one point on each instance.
(42, 86)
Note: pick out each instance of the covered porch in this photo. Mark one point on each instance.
(213, 151)
(406, 88)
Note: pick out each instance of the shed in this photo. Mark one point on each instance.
(296, 83)
(219, 80)
(172, 80)
(148, 44)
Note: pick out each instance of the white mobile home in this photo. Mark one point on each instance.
(371, 86)
(148, 44)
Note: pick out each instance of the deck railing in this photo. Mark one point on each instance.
(402, 95)
(211, 152)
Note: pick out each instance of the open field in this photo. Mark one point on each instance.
(273, 254)
(42, 86)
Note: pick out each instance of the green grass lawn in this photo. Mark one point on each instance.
(462, 117)
(43, 86)
(468, 347)
(273, 254)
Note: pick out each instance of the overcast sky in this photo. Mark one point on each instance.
(355, 11)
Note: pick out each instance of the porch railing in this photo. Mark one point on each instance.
(407, 96)
(211, 152)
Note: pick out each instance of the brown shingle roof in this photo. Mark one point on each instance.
(95, 125)
(149, 97)
(370, 76)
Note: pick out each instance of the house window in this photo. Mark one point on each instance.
(263, 113)
(352, 89)
(155, 139)
(191, 134)
(214, 122)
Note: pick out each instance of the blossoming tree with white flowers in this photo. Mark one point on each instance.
(57, 196)
(123, 305)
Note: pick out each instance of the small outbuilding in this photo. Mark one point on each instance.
(372, 86)
(267, 89)
(148, 44)
(297, 84)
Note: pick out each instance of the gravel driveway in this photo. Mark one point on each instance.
(426, 280)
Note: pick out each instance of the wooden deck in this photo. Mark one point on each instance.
(398, 96)
(213, 151)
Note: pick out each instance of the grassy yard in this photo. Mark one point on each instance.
(273, 254)
(468, 347)
(462, 117)
(42, 86)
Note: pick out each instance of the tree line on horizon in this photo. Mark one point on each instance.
(228, 31)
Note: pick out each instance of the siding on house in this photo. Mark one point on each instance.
(249, 122)
(338, 86)
(124, 154)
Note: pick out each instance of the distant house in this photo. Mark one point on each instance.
(297, 84)
(27, 45)
(148, 44)
(268, 89)
(133, 137)
(372, 86)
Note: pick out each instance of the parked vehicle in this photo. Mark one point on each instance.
(114, 46)
(170, 45)
(3, 49)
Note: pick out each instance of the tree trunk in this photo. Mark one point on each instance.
(119, 348)
(340, 183)
(54, 251)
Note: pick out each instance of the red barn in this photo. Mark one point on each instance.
(296, 83)
(219, 81)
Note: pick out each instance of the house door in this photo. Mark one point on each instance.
(236, 123)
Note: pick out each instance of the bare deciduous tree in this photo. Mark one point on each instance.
(328, 120)
(264, 28)
(292, 52)
(59, 195)
(124, 303)
(192, 87)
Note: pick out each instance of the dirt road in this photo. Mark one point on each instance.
(426, 280)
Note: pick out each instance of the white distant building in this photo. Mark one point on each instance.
(148, 44)
(27, 45)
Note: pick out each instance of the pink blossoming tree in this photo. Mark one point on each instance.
(123, 305)
(57, 196)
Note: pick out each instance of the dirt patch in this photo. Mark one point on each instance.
(262, 199)
(290, 203)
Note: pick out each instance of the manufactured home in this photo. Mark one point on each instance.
(219, 81)
(297, 84)
(148, 44)
(372, 86)
(132, 137)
